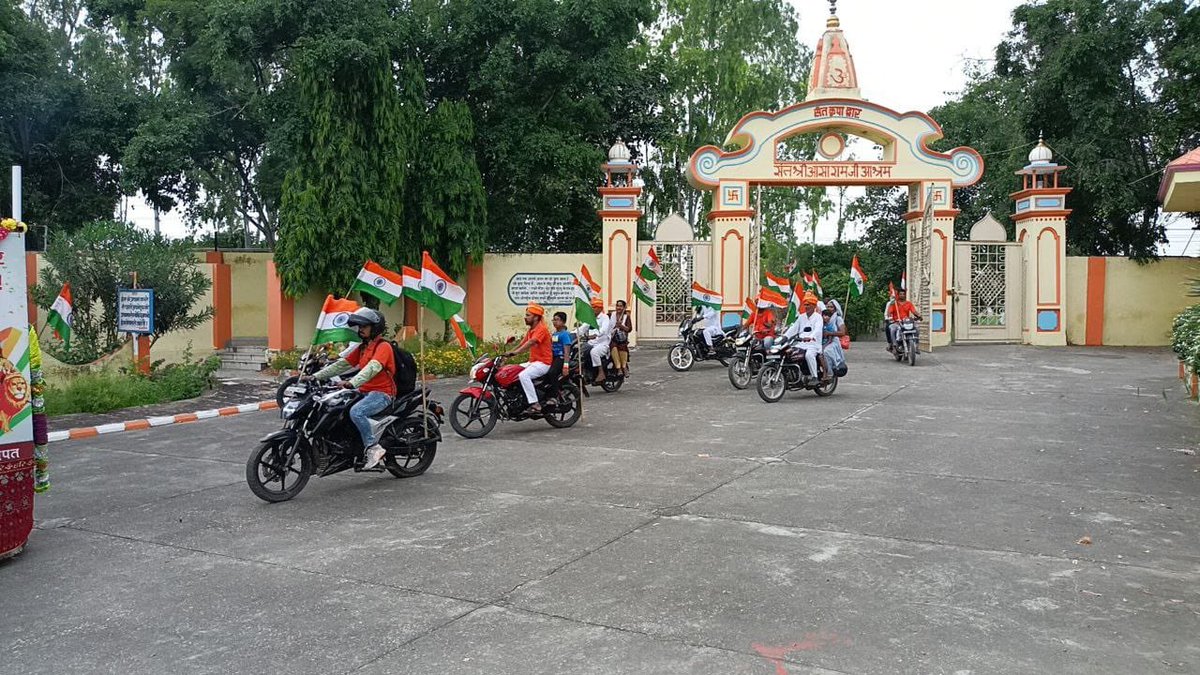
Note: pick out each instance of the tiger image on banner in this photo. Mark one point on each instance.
(15, 407)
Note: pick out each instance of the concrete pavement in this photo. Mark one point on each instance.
(920, 520)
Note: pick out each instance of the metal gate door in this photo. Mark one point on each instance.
(988, 292)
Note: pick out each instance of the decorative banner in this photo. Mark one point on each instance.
(547, 289)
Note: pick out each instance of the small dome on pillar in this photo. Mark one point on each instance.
(619, 153)
(1041, 153)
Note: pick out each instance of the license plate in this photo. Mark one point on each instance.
(295, 391)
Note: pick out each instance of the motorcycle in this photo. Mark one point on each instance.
(318, 439)
(309, 365)
(748, 361)
(907, 344)
(692, 347)
(786, 369)
(613, 377)
(495, 393)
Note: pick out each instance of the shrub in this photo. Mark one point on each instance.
(107, 390)
(286, 360)
(1185, 336)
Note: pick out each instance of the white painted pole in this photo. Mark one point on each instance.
(16, 192)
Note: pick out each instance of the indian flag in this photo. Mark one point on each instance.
(781, 285)
(748, 310)
(61, 313)
(412, 284)
(590, 286)
(816, 285)
(857, 278)
(583, 304)
(793, 305)
(703, 297)
(466, 337)
(333, 325)
(443, 296)
(641, 288)
(651, 268)
(380, 282)
(904, 281)
(768, 297)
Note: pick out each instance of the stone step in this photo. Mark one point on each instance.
(246, 343)
(247, 367)
(242, 358)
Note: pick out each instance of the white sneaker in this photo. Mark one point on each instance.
(375, 455)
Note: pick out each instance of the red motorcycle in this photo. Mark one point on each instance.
(495, 393)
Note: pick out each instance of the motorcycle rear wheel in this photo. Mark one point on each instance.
(771, 383)
(471, 420)
(612, 384)
(568, 413)
(828, 388)
(739, 374)
(418, 458)
(681, 358)
(276, 460)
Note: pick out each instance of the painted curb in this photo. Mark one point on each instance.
(166, 420)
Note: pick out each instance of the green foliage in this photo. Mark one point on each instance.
(286, 360)
(1111, 83)
(343, 201)
(832, 263)
(1185, 336)
(103, 256)
(108, 390)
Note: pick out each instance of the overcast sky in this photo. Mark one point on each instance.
(909, 55)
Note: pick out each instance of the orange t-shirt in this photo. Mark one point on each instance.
(901, 310)
(380, 351)
(764, 325)
(541, 351)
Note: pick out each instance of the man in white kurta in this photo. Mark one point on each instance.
(806, 329)
(712, 325)
(601, 342)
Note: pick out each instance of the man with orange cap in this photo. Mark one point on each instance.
(541, 354)
(807, 331)
(601, 341)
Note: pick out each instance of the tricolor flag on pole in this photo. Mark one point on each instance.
(412, 284)
(781, 285)
(466, 337)
(379, 282)
(333, 324)
(651, 268)
(641, 288)
(857, 278)
(794, 305)
(748, 310)
(808, 282)
(769, 298)
(816, 284)
(61, 313)
(583, 304)
(703, 297)
(904, 281)
(589, 286)
(442, 295)
(891, 290)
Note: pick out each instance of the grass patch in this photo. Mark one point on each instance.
(108, 390)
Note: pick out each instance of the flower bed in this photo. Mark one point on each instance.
(1185, 342)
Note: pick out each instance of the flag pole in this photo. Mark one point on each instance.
(424, 405)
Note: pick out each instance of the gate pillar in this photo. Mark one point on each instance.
(930, 220)
(1041, 219)
(730, 222)
(619, 214)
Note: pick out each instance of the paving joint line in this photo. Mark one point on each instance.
(425, 633)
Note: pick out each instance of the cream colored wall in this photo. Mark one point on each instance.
(1141, 301)
(173, 346)
(1076, 299)
(501, 317)
(248, 284)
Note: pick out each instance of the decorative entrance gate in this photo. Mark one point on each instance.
(987, 279)
(683, 260)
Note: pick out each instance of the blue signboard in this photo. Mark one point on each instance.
(135, 310)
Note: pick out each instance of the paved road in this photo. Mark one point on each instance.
(921, 520)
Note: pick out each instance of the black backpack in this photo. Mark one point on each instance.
(406, 370)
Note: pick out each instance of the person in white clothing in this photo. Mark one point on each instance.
(601, 342)
(806, 330)
(712, 325)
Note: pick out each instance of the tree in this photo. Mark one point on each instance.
(343, 199)
(101, 257)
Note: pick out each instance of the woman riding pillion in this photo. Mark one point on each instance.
(376, 377)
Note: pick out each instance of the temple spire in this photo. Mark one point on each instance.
(833, 74)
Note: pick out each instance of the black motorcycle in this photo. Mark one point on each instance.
(786, 369)
(908, 343)
(310, 363)
(692, 347)
(748, 361)
(614, 377)
(318, 439)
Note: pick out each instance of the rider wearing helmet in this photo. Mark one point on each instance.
(376, 362)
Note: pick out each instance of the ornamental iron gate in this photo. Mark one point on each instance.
(988, 292)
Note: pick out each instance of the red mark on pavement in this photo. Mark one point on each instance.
(811, 642)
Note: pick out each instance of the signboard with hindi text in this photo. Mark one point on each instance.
(547, 289)
(135, 310)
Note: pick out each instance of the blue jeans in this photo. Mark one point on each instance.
(360, 413)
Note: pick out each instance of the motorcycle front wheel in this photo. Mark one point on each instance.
(278, 461)
(281, 392)
(771, 383)
(408, 455)
(567, 410)
(473, 417)
(739, 373)
(912, 352)
(827, 388)
(681, 358)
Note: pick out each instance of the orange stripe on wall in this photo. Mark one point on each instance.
(475, 297)
(1094, 334)
(280, 313)
(222, 305)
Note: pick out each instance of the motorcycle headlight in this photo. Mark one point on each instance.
(290, 409)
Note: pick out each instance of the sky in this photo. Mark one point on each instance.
(909, 55)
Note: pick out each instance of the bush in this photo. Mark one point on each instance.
(447, 358)
(108, 390)
(1185, 336)
(286, 360)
